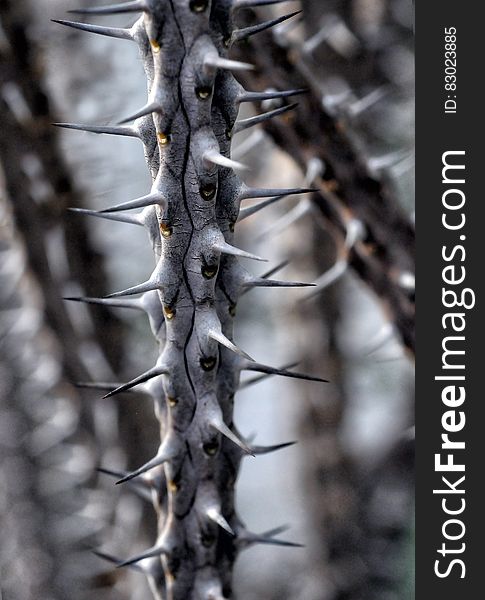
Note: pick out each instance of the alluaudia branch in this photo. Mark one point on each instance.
(191, 214)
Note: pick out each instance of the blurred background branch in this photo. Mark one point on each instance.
(52, 437)
(42, 188)
(341, 70)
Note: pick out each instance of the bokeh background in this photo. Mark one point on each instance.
(346, 489)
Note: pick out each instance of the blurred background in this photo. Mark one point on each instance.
(346, 489)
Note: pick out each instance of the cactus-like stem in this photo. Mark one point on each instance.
(190, 297)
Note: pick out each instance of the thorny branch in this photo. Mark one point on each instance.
(349, 191)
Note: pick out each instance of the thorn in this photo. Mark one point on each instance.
(252, 121)
(114, 32)
(215, 515)
(384, 335)
(269, 95)
(148, 109)
(255, 3)
(222, 339)
(105, 556)
(387, 161)
(275, 531)
(218, 424)
(337, 102)
(111, 473)
(249, 537)
(244, 213)
(272, 542)
(249, 144)
(336, 34)
(243, 34)
(216, 158)
(141, 487)
(121, 474)
(131, 219)
(217, 62)
(110, 130)
(292, 216)
(259, 450)
(147, 375)
(268, 538)
(259, 378)
(315, 167)
(114, 303)
(262, 282)
(144, 201)
(266, 193)
(167, 451)
(252, 366)
(153, 551)
(112, 9)
(113, 559)
(355, 232)
(147, 286)
(99, 386)
(151, 464)
(226, 248)
(362, 104)
(328, 278)
(275, 269)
